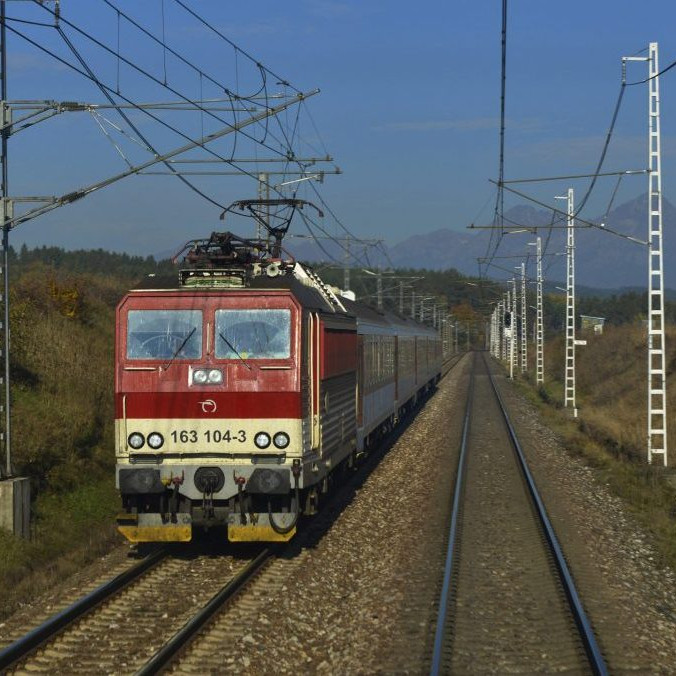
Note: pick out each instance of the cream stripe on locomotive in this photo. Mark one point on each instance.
(199, 436)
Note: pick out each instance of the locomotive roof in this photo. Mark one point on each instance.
(308, 296)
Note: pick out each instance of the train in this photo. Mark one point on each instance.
(245, 386)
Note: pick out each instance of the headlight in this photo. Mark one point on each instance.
(200, 376)
(136, 440)
(215, 376)
(155, 440)
(262, 440)
(281, 440)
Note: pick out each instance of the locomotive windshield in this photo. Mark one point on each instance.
(164, 334)
(253, 334)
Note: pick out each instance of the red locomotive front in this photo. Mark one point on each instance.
(205, 381)
(221, 377)
(244, 385)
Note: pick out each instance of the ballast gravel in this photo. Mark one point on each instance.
(362, 600)
(630, 599)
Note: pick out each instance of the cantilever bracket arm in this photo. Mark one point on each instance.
(137, 169)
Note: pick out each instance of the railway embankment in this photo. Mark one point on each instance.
(616, 557)
(610, 433)
(62, 316)
(362, 596)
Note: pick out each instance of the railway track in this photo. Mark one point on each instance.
(120, 625)
(508, 603)
(101, 630)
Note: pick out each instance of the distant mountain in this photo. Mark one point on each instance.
(602, 259)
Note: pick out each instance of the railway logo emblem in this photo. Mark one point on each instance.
(208, 406)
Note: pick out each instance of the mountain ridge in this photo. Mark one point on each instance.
(603, 260)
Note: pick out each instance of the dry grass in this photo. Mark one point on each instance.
(70, 530)
(62, 375)
(611, 431)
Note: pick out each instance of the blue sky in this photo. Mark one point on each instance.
(409, 109)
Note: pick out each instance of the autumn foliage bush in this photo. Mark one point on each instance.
(62, 369)
(62, 338)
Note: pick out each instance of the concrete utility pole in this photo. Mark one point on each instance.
(569, 398)
(657, 382)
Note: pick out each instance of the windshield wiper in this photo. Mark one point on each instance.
(180, 347)
(232, 347)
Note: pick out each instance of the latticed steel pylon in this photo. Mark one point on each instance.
(657, 386)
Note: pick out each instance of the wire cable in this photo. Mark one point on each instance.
(100, 84)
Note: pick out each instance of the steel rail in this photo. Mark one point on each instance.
(452, 536)
(192, 627)
(585, 629)
(24, 646)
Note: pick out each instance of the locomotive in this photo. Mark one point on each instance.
(244, 385)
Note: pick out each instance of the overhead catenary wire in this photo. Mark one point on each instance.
(588, 224)
(594, 176)
(235, 46)
(126, 118)
(147, 74)
(652, 77)
(188, 100)
(289, 141)
(499, 200)
(287, 136)
(133, 105)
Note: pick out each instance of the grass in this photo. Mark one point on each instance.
(610, 432)
(62, 377)
(69, 531)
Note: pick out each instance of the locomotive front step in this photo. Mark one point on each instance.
(259, 529)
(155, 528)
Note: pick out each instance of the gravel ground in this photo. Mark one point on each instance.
(509, 613)
(630, 600)
(64, 594)
(362, 600)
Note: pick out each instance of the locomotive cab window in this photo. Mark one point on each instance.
(164, 334)
(253, 334)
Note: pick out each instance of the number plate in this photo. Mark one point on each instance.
(208, 436)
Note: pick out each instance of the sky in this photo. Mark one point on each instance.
(409, 109)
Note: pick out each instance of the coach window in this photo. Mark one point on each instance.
(164, 334)
(253, 334)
